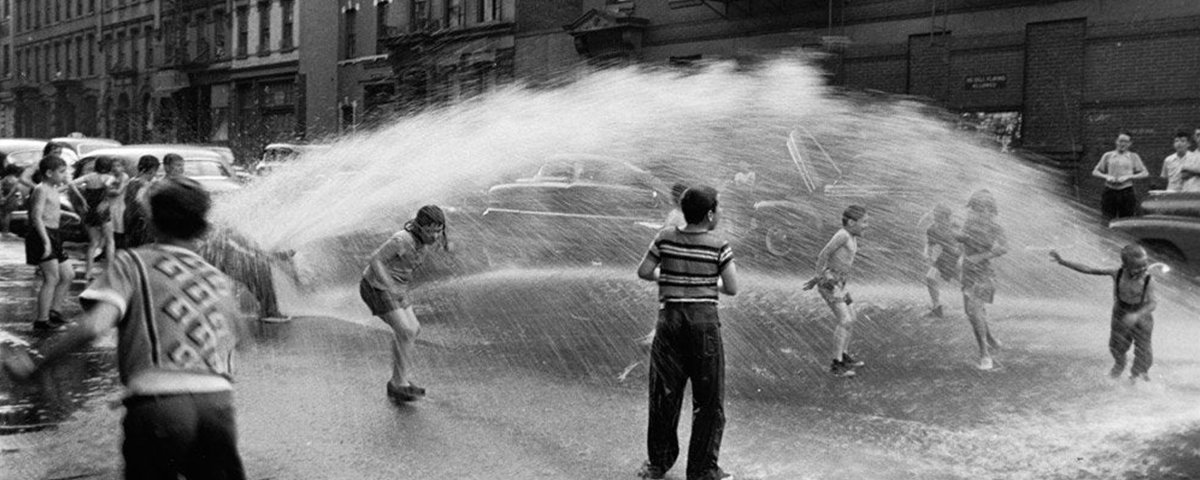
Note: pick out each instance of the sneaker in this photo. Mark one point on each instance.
(409, 393)
(840, 369)
(986, 364)
(650, 471)
(851, 361)
(56, 318)
(938, 312)
(47, 326)
(1116, 371)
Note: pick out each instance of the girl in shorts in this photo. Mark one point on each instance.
(982, 239)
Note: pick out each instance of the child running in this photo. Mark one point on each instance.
(941, 254)
(833, 267)
(1133, 306)
(692, 266)
(43, 242)
(177, 324)
(99, 189)
(982, 240)
(384, 288)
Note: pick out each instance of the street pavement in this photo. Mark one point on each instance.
(538, 374)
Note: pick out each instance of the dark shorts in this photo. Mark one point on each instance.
(35, 250)
(947, 267)
(834, 292)
(381, 301)
(193, 435)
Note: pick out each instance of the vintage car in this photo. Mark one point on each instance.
(278, 154)
(1169, 226)
(209, 168)
(26, 153)
(84, 145)
(584, 206)
(798, 203)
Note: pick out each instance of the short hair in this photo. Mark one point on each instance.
(11, 169)
(430, 215)
(172, 159)
(48, 163)
(983, 201)
(147, 164)
(1183, 134)
(1132, 252)
(103, 165)
(50, 146)
(677, 191)
(853, 212)
(1125, 133)
(179, 208)
(696, 202)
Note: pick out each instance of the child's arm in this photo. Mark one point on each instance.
(729, 283)
(839, 239)
(1079, 267)
(88, 326)
(1101, 170)
(648, 270)
(999, 248)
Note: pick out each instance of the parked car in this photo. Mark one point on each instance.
(588, 204)
(1169, 226)
(278, 154)
(84, 145)
(208, 168)
(798, 202)
(24, 152)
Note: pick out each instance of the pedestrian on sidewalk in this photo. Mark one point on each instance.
(692, 267)
(833, 269)
(1119, 168)
(43, 242)
(384, 288)
(1132, 311)
(177, 325)
(982, 239)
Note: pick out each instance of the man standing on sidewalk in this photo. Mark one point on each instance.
(1119, 168)
(177, 326)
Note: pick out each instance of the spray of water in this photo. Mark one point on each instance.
(813, 145)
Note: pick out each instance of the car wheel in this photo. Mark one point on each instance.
(778, 241)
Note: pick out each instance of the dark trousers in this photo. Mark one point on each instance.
(687, 346)
(1138, 336)
(1118, 203)
(192, 435)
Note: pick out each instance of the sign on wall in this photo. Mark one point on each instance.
(985, 82)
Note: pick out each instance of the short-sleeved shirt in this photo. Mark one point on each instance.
(177, 312)
(1120, 164)
(1192, 163)
(1172, 170)
(400, 255)
(689, 264)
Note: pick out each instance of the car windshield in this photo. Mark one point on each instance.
(25, 158)
(204, 168)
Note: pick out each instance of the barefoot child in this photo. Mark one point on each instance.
(1133, 305)
(833, 265)
(384, 288)
(941, 254)
(982, 240)
(43, 243)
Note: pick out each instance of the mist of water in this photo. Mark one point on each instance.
(699, 126)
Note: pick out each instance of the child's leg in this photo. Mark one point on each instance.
(1118, 343)
(404, 329)
(977, 315)
(94, 239)
(50, 280)
(1143, 354)
(110, 245)
(5, 219)
(66, 275)
(931, 283)
(844, 315)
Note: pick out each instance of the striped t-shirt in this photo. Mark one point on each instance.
(689, 264)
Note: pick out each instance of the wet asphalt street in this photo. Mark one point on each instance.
(537, 374)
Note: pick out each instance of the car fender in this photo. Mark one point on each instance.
(1165, 231)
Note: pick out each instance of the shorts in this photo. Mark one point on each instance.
(35, 252)
(834, 292)
(946, 267)
(381, 301)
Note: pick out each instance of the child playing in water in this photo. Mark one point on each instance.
(833, 267)
(43, 243)
(941, 254)
(1133, 305)
(982, 239)
(99, 188)
(384, 288)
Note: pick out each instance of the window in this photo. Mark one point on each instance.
(108, 53)
(286, 42)
(351, 37)
(134, 54)
(219, 42)
(92, 54)
(420, 15)
(243, 36)
(381, 14)
(79, 56)
(149, 59)
(120, 46)
(57, 52)
(7, 70)
(455, 16)
(487, 10)
(264, 27)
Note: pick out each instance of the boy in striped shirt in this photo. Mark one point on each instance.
(692, 266)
